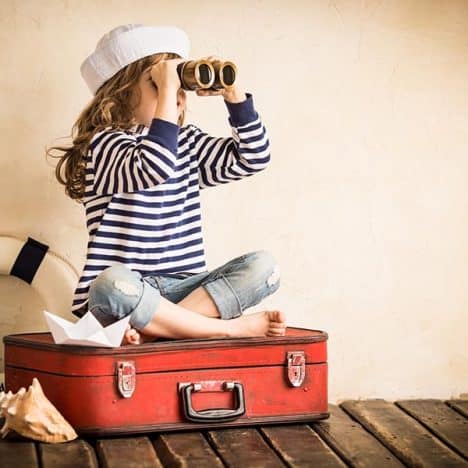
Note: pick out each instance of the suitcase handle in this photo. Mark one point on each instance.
(215, 414)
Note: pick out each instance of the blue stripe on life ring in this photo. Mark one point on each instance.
(29, 259)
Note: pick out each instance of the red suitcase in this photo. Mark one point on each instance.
(176, 384)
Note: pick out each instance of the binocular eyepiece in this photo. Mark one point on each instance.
(205, 74)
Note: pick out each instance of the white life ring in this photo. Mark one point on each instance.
(52, 276)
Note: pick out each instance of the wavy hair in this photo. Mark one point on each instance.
(110, 107)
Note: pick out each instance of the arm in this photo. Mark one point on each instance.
(124, 163)
(223, 160)
(120, 162)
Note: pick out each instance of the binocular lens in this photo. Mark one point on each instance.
(229, 75)
(205, 74)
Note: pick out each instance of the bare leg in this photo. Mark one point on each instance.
(200, 301)
(174, 321)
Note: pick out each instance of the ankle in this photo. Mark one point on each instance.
(232, 328)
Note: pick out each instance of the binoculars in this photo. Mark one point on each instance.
(205, 74)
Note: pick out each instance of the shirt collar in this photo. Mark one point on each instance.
(139, 128)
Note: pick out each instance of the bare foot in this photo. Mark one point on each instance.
(265, 323)
(134, 337)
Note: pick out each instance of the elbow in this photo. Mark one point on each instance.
(159, 163)
(262, 160)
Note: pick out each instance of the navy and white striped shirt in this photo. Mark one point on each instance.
(142, 195)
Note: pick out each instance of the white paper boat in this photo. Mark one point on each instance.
(87, 331)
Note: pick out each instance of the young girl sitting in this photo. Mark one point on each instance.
(139, 171)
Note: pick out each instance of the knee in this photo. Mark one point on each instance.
(114, 293)
(105, 283)
(263, 266)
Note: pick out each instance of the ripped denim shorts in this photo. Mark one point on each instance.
(235, 286)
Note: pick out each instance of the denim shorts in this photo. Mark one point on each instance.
(235, 286)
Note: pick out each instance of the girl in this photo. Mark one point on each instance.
(139, 171)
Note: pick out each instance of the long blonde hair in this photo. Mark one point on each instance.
(110, 107)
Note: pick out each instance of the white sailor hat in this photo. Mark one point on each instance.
(126, 44)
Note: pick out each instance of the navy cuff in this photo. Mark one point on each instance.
(241, 113)
(164, 132)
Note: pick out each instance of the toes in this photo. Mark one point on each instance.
(131, 336)
(135, 339)
(280, 316)
(277, 325)
(279, 332)
(277, 316)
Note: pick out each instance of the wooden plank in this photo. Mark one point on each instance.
(75, 454)
(441, 420)
(244, 447)
(137, 452)
(404, 436)
(459, 405)
(353, 443)
(185, 449)
(299, 445)
(18, 454)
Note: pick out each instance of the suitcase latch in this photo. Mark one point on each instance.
(126, 378)
(296, 367)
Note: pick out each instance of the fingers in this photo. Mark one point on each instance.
(177, 60)
(172, 60)
(164, 73)
(209, 92)
(211, 57)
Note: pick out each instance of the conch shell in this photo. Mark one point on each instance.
(31, 414)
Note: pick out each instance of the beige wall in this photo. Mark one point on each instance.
(364, 204)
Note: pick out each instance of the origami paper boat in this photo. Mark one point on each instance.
(87, 331)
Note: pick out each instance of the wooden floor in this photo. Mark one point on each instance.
(361, 433)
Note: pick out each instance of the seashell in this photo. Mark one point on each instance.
(31, 414)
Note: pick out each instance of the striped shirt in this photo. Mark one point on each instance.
(142, 192)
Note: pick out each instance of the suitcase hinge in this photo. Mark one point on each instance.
(126, 378)
(296, 367)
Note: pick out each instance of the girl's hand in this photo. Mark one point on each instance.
(170, 95)
(232, 94)
(164, 74)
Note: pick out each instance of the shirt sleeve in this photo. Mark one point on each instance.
(223, 160)
(120, 162)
